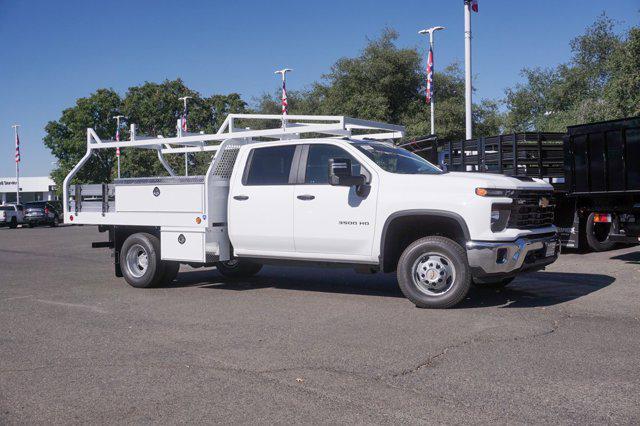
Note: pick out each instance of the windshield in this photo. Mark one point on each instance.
(6, 209)
(396, 160)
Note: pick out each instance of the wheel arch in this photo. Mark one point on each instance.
(422, 222)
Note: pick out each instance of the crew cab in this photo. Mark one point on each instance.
(349, 197)
(11, 215)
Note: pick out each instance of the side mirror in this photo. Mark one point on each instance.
(340, 173)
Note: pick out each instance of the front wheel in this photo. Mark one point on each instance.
(433, 273)
(238, 268)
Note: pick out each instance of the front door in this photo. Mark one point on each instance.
(261, 203)
(332, 219)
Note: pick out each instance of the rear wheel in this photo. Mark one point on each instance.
(597, 233)
(140, 260)
(54, 222)
(238, 268)
(433, 273)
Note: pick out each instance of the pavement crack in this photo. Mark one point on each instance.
(430, 361)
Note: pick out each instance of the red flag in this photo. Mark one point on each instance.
(430, 76)
(474, 5)
(17, 148)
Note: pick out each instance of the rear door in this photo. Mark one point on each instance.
(261, 202)
(332, 219)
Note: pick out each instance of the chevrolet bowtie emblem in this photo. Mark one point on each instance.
(544, 202)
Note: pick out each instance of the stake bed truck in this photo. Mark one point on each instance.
(317, 189)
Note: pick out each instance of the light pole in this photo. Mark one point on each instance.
(117, 118)
(467, 69)
(430, 73)
(285, 103)
(17, 141)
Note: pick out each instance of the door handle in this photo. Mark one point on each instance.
(306, 197)
(241, 197)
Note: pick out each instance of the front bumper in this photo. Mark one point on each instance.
(504, 259)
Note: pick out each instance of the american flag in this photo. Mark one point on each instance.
(474, 5)
(285, 104)
(118, 140)
(430, 76)
(17, 148)
(183, 119)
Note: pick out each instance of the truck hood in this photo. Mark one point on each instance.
(490, 180)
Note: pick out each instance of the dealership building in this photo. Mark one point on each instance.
(31, 189)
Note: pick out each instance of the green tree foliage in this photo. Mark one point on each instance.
(154, 108)
(387, 83)
(66, 138)
(600, 82)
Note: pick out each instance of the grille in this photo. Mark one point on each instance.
(528, 211)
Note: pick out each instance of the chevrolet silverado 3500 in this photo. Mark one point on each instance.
(342, 195)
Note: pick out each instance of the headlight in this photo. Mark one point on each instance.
(499, 217)
(494, 192)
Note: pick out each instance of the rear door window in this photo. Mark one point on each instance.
(269, 166)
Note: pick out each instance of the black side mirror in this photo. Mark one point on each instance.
(340, 173)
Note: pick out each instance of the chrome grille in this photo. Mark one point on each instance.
(528, 210)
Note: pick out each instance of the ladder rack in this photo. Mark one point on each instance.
(227, 138)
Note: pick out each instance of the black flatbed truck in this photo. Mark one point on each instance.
(594, 169)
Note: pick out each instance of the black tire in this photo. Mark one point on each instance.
(496, 284)
(54, 223)
(135, 275)
(169, 273)
(14, 223)
(30, 225)
(238, 268)
(450, 255)
(597, 234)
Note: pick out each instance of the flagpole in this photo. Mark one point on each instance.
(467, 70)
(118, 117)
(285, 104)
(15, 140)
(183, 127)
(432, 100)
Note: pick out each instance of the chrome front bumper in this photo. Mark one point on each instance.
(488, 259)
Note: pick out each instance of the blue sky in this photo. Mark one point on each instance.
(56, 51)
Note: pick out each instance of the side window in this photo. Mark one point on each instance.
(317, 171)
(270, 166)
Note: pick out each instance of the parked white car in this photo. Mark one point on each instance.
(11, 215)
(342, 199)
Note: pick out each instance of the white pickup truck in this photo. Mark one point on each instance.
(11, 215)
(344, 195)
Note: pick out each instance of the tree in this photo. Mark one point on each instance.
(154, 108)
(386, 83)
(66, 137)
(600, 82)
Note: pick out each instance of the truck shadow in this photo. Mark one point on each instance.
(632, 258)
(538, 289)
(530, 290)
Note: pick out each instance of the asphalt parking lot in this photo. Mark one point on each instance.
(295, 345)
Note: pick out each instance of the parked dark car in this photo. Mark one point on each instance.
(41, 213)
